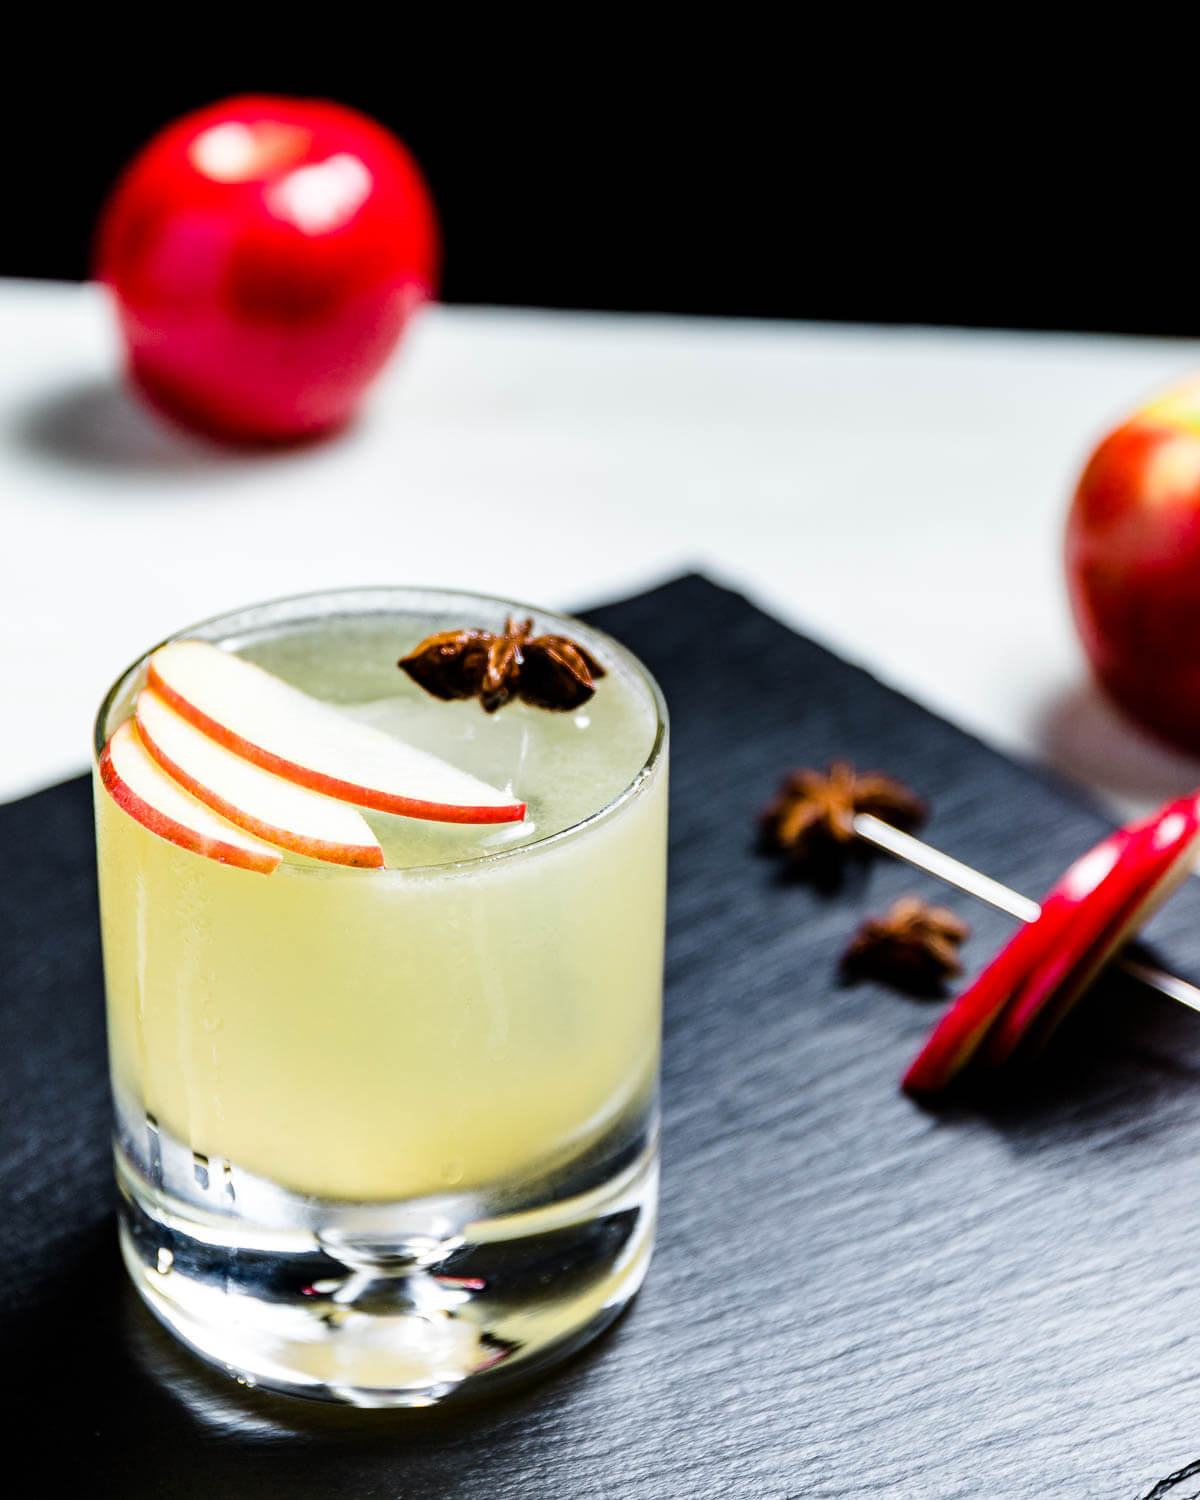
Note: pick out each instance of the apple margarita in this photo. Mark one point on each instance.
(383, 959)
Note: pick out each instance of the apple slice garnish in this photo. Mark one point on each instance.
(279, 811)
(1158, 860)
(140, 786)
(1093, 909)
(276, 726)
(957, 1037)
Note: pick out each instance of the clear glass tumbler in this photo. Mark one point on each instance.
(383, 1135)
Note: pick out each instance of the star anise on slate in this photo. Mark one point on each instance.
(812, 817)
(914, 946)
(549, 671)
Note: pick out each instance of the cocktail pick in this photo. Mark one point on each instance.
(1102, 899)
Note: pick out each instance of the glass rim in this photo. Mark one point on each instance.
(330, 870)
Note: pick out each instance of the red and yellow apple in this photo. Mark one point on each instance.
(1133, 565)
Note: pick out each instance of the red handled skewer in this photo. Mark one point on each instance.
(1095, 907)
(933, 861)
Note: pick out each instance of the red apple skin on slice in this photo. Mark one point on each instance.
(959, 1034)
(1092, 910)
(1156, 863)
(274, 725)
(279, 811)
(1037, 1029)
(141, 788)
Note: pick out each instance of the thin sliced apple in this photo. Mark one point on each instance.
(279, 811)
(1157, 861)
(1093, 909)
(140, 786)
(960, 1033)
(275, 726)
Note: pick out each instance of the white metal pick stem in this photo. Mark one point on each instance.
(884, 836)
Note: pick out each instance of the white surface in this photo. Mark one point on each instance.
(898, 494)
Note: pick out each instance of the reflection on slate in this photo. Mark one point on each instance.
(851, 1296)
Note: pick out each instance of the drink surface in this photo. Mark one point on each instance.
(566, 765)
(455, 1022)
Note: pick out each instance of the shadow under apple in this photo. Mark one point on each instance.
(100, 426)
(1080, 733)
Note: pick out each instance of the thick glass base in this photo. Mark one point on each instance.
(380, 1304)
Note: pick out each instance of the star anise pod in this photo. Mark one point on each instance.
(549, 671)
(812, 817)
(914, 946)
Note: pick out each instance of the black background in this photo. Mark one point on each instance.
(907, 171)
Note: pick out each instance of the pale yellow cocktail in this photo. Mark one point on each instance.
(415, 1060)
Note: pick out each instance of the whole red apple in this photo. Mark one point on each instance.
(1133, 564)
(265, 254)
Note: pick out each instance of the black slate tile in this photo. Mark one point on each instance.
(851, 1296)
